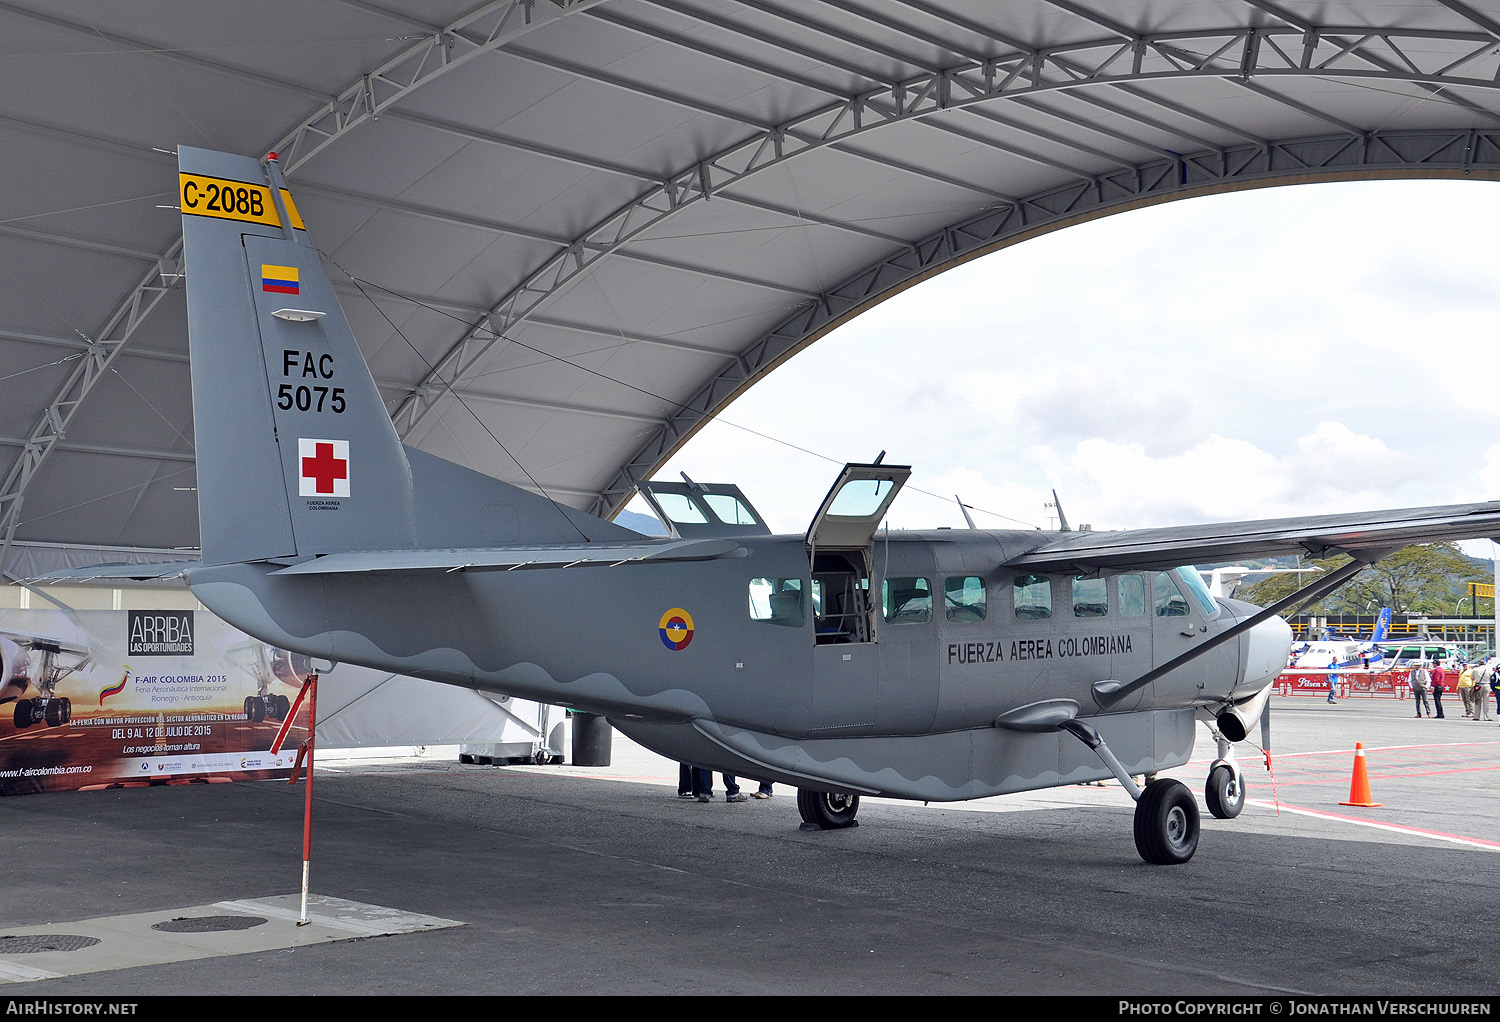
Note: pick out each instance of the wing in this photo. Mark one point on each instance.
(1317, 536)
(511, 558)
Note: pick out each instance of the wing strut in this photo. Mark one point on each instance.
(1107, 693)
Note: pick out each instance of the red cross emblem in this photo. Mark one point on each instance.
(324, 467)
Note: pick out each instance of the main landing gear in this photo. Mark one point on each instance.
(827, 810)
(275, 706)
(1166, 814)
(54, 711)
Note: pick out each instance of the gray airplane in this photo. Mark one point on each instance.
(943, 665)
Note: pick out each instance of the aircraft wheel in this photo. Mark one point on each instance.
(827, 810)
(1225, 793)
(67, 709)
(53, 713)
(285, 705)
(23, 716)
(1166, 823)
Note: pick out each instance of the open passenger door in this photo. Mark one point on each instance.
(840, 542)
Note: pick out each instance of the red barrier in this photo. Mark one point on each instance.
(1314, 682)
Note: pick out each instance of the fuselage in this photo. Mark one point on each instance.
(953, 640)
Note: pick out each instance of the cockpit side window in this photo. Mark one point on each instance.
(1168, 598)
(1032, 597)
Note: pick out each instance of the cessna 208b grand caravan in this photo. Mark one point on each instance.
(934, 666)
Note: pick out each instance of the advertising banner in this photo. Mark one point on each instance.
(1314, 681)
(94, 698)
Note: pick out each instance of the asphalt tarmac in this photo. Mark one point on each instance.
(434, 877)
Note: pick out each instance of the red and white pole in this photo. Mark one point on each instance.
(304, 752)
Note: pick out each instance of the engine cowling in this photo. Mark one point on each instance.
(15, 665)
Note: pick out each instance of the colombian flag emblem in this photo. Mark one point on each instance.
(279, 279)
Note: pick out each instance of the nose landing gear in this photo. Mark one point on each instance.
(1225, 792)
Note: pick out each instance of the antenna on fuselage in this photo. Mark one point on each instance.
(1062, 519)
(965, 509)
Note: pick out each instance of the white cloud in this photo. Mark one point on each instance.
(1285, 352)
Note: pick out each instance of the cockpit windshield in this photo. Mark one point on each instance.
(1192, 581)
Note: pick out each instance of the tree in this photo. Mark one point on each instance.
(1422, 579)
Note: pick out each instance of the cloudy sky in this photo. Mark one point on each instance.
(1279, 352)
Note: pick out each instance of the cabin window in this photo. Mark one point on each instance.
(1169, 599)
(964, 598)
(1090, 596)
(906, 601)
(778, 601)
(1032, 597)
(679, 508)
(729, 509)
(1132, 590)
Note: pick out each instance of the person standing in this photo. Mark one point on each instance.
(1421, 678)
(1439, 686)
(1483, 674)
(1466, 689)
(1333, 677)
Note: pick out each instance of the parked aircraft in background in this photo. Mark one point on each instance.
(31, 662)
(1339, 652)
(265, 665)
(943, 665)
(1224, 581)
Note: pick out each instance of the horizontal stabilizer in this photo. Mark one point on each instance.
(511, 558)
(1317, 536)
(162, 571)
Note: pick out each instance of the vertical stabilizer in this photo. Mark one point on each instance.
(1382, 625)
(296, 452)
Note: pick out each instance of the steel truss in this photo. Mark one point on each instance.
(1448, 66)
(482, 30)
(1456, 153)
(1240, 54)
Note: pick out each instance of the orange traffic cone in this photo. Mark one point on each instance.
(1359, 787)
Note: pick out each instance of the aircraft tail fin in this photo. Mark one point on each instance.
(1382, 625)
(297, 456)
(296, 452)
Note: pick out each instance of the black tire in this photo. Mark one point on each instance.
(1224, 793)
(1166, 823)
(53, 713)
(284, 707)
(23, 718)
(250, 708)
(67, 709)
(827, 810)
